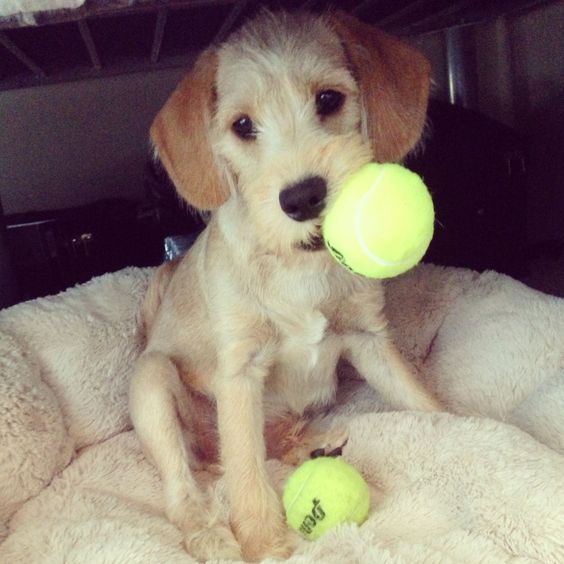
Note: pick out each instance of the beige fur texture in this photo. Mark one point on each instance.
(247, 330)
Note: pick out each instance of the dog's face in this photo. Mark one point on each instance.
(282, 112)
(287, 125)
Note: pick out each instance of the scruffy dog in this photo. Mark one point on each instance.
(249, 326)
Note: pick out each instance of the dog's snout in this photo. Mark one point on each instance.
(305, 199)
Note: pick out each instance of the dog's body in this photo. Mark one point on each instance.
(257, 315)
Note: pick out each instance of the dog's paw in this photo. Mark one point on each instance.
(206, 532)
(318, 442)
(265, 540)
(331, 442)
(215, 541)
(261, 529)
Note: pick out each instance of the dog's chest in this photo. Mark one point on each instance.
(307, 352)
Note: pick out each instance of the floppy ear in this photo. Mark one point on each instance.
(180, 134)
(394, 83)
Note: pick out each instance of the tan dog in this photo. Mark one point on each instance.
(256, 316)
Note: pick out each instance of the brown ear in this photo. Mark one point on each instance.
(180, 134)
(394, 82)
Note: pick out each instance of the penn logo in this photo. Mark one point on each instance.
(311, 519)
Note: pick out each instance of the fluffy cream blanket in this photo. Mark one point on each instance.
(484, 483)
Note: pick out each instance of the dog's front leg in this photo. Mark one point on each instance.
(157, 396)
(256, 513)
(380, 363)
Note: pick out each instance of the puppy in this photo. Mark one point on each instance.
(251, 323)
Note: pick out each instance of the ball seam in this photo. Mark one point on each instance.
(357, 224)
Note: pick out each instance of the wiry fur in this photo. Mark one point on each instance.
(249, 318)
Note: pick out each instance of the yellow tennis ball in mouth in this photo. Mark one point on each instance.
(381, 222)
(323, 493)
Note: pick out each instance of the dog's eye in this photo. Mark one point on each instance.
(328, 102)
(244, 128)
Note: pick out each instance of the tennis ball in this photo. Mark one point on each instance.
(323, 493)
(381, 223)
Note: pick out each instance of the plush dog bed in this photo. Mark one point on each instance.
(484, 483)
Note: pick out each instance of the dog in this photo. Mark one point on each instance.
(250, 325)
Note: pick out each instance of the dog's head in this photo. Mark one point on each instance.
(283, 111)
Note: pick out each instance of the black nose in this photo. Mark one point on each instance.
(305, 199)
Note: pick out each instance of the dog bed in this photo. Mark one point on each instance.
(482, 483)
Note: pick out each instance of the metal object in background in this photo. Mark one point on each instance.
(8, 284)
(112, 37)
(176, 245)
(461, 67)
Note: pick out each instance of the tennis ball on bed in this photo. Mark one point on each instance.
(323, 493)
(381, 223)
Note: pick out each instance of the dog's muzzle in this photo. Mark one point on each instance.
(305, 199)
